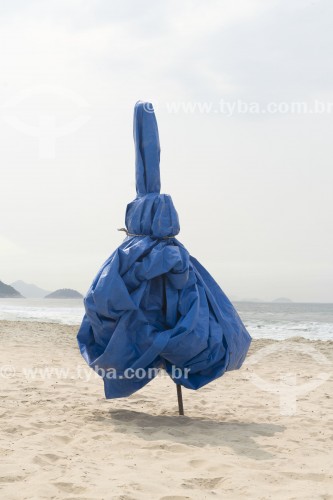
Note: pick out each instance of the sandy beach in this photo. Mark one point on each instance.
(262, 432)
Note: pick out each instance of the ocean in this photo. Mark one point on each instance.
(262, 319)
(66, 311)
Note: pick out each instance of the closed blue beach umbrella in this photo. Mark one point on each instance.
(152, 305)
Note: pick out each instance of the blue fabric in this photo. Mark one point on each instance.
(152, 305)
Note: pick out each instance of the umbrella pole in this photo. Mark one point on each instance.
(180, 400)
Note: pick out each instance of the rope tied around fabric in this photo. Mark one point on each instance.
(145, 235)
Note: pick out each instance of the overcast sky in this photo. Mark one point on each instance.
(251, 178)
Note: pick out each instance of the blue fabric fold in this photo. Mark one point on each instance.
(152, 305)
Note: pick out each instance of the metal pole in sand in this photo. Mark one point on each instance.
(180, 399)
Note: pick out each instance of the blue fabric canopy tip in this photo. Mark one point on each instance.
(152, 305)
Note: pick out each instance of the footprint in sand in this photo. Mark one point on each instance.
(202, 483)
(174, 497)
(196, 463)
(69, 487)
(10, 479)
(46, 459)
(124, 497)
(62, 439)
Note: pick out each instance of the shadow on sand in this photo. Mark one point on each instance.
(199, 432)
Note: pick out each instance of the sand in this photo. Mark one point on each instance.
(256, 433)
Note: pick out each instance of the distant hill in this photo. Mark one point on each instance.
(64, 293)
(282, 300)
(29, 290)
(8, 292)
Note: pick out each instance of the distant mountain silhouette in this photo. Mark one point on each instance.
(8, 292)
(282, 300)
(64, 293)
(29, 290)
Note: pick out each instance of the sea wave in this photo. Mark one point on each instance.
(284, 330)
(67, 312)
(263, 321)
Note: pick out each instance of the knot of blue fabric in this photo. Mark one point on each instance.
(152, 215)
